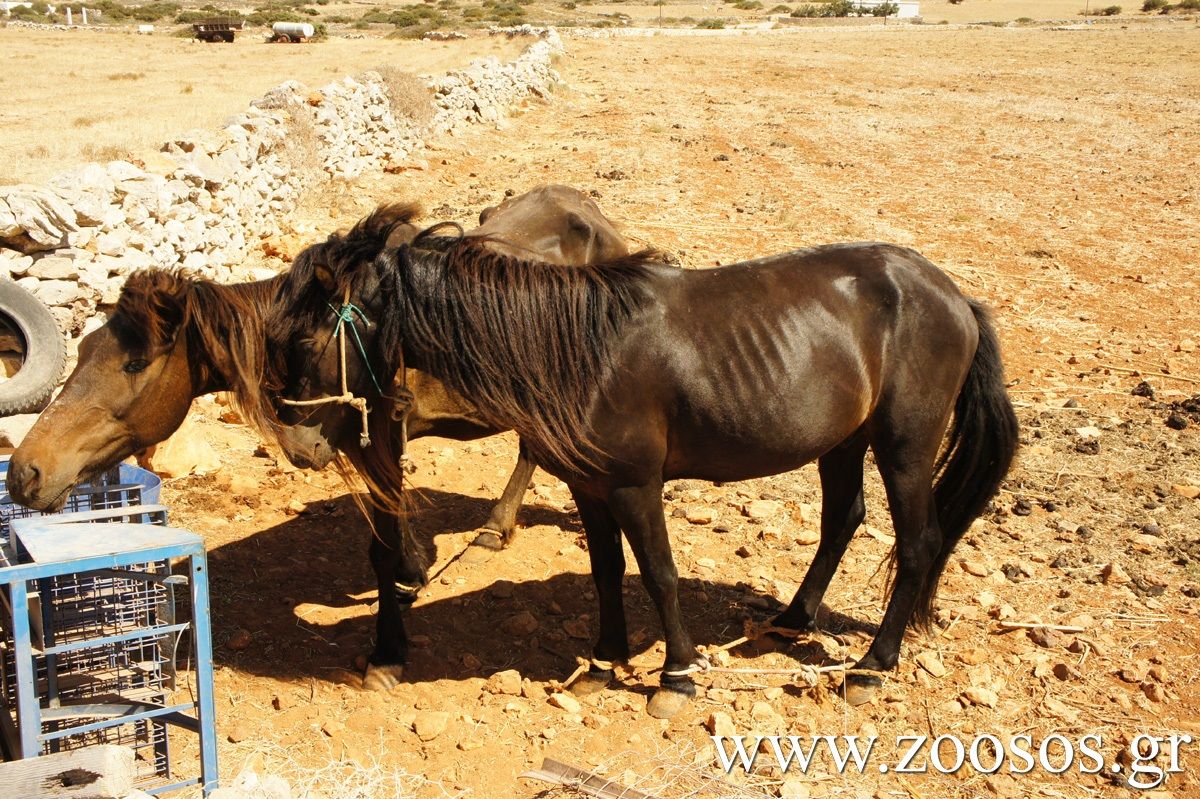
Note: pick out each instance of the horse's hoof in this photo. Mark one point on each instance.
(592, 681)
(860, 689)
(382, 677)
(485, 545)
(667, 702)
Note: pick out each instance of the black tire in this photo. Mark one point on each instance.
(45, 350)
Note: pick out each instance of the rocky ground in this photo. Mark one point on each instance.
(1052, 173)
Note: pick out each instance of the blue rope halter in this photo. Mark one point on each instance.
(345, 317)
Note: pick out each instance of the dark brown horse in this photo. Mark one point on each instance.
(173, 338)
(623, 375)
(553, 223)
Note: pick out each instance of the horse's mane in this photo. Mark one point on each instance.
(340, 254)
(527, 342)
(224, 325)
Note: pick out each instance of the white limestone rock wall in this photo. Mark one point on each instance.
(73, 241)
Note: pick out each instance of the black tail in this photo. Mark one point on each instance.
(980, 449)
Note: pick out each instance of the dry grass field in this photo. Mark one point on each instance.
(78, 96)
(1053, 173)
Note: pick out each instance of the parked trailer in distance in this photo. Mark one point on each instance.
(217, 29)
(291, 32)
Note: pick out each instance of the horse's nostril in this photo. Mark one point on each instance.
(24, 478)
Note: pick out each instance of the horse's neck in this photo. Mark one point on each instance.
(242, 307)
(420, 302)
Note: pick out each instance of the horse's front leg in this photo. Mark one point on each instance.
(497, 531)
(639, 511)
(399, 573)
(608, 572)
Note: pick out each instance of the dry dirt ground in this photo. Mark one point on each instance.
(1053, 173)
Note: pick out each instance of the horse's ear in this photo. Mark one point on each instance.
(485, 213)
(169, 302)
(324, 276)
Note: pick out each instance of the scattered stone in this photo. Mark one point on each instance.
(578, 628)
(761, 510)
(976, 568)
(1177, 421)
(930, 661)
(1154, 692)
(1065, 672)
(1113, 574)
(520, 624)
(1186, 491)
(507, 682)
(978, 695)
(807, 536)
(720, 724)
(700, 514)
(186, 452)
(1049, 638)
(762, 711)
(1022, 507)
(430, 724)
(1132, 674)
(566, 702)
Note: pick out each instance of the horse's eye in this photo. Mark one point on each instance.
(135, 366)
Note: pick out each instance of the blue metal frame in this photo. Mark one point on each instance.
(72, 543)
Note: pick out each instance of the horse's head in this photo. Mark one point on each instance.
(553, 223)
(324, 332)
(131, 388)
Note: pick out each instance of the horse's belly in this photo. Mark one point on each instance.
(762, 441)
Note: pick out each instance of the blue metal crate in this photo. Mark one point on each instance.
(89, 626)
(121, 486)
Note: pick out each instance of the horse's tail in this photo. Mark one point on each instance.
(980, 449)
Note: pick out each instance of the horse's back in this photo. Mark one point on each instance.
(768, 364)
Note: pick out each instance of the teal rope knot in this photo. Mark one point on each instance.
(345, 317)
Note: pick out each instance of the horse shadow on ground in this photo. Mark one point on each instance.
(296, 601)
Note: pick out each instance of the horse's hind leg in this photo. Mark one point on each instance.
(497, 531)
(842, 511)
(608, 572)
(906, 466)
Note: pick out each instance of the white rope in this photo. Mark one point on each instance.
(811, 675)
(346, 398)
